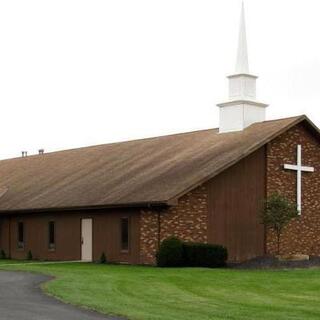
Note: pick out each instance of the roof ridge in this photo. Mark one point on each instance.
(110, 143)
(133, 140)
(287, 118)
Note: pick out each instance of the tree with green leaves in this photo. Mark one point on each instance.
(277, 212)
(103, 258)
(29, 255)
(2, 254)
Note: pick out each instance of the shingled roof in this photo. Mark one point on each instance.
(141, 172)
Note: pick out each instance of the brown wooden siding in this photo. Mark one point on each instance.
(106, 235)
(234, 199)
(4, 235)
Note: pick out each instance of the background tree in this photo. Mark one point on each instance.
(277, 213)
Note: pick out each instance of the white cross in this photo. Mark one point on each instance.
(299, 168)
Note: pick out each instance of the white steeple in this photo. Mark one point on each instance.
(242, 109)
(242, 64)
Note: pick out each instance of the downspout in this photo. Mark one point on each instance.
(9, 242)
(266, 151)
(159, 227)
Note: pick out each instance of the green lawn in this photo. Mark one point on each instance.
(182, 294)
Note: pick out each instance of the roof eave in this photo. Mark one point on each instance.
(89, 207)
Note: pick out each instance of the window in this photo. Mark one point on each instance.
(124, 234)
(52, 238)
(20, 235)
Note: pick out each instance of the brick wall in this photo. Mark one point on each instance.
(302, 235)
(187, 221)
(149, 237)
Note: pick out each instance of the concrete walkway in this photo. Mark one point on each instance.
(21, 298)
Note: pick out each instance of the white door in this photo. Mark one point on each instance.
(86, 239)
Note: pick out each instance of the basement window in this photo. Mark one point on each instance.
(52, 235)
(20, 235)
(125, 234)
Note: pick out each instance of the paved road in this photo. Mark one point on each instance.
(22, 299)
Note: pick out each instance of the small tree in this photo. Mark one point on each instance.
(2, 254)
(103, 258)
(29, 255)
(277, 213)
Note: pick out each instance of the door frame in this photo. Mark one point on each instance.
(86, 218)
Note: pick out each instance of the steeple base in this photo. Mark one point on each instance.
(239, 114)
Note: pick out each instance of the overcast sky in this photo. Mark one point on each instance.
(78, 73)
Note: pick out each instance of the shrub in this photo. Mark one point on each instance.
(175, 253)
(170, 253)
(204, 255)
(2, 254)
(103, 258)
(29, 255)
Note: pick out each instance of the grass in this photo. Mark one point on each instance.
(138, 292)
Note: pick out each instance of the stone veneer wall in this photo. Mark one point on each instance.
(187, 221)
(302, 235)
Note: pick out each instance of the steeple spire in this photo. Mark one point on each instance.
(242, 65)
(241, 109)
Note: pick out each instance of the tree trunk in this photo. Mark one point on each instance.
(278, 243)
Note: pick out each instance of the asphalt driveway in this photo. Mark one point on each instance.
(22, 299)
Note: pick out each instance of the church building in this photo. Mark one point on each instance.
(205, 186)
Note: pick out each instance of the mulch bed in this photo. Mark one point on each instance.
(269, 262)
